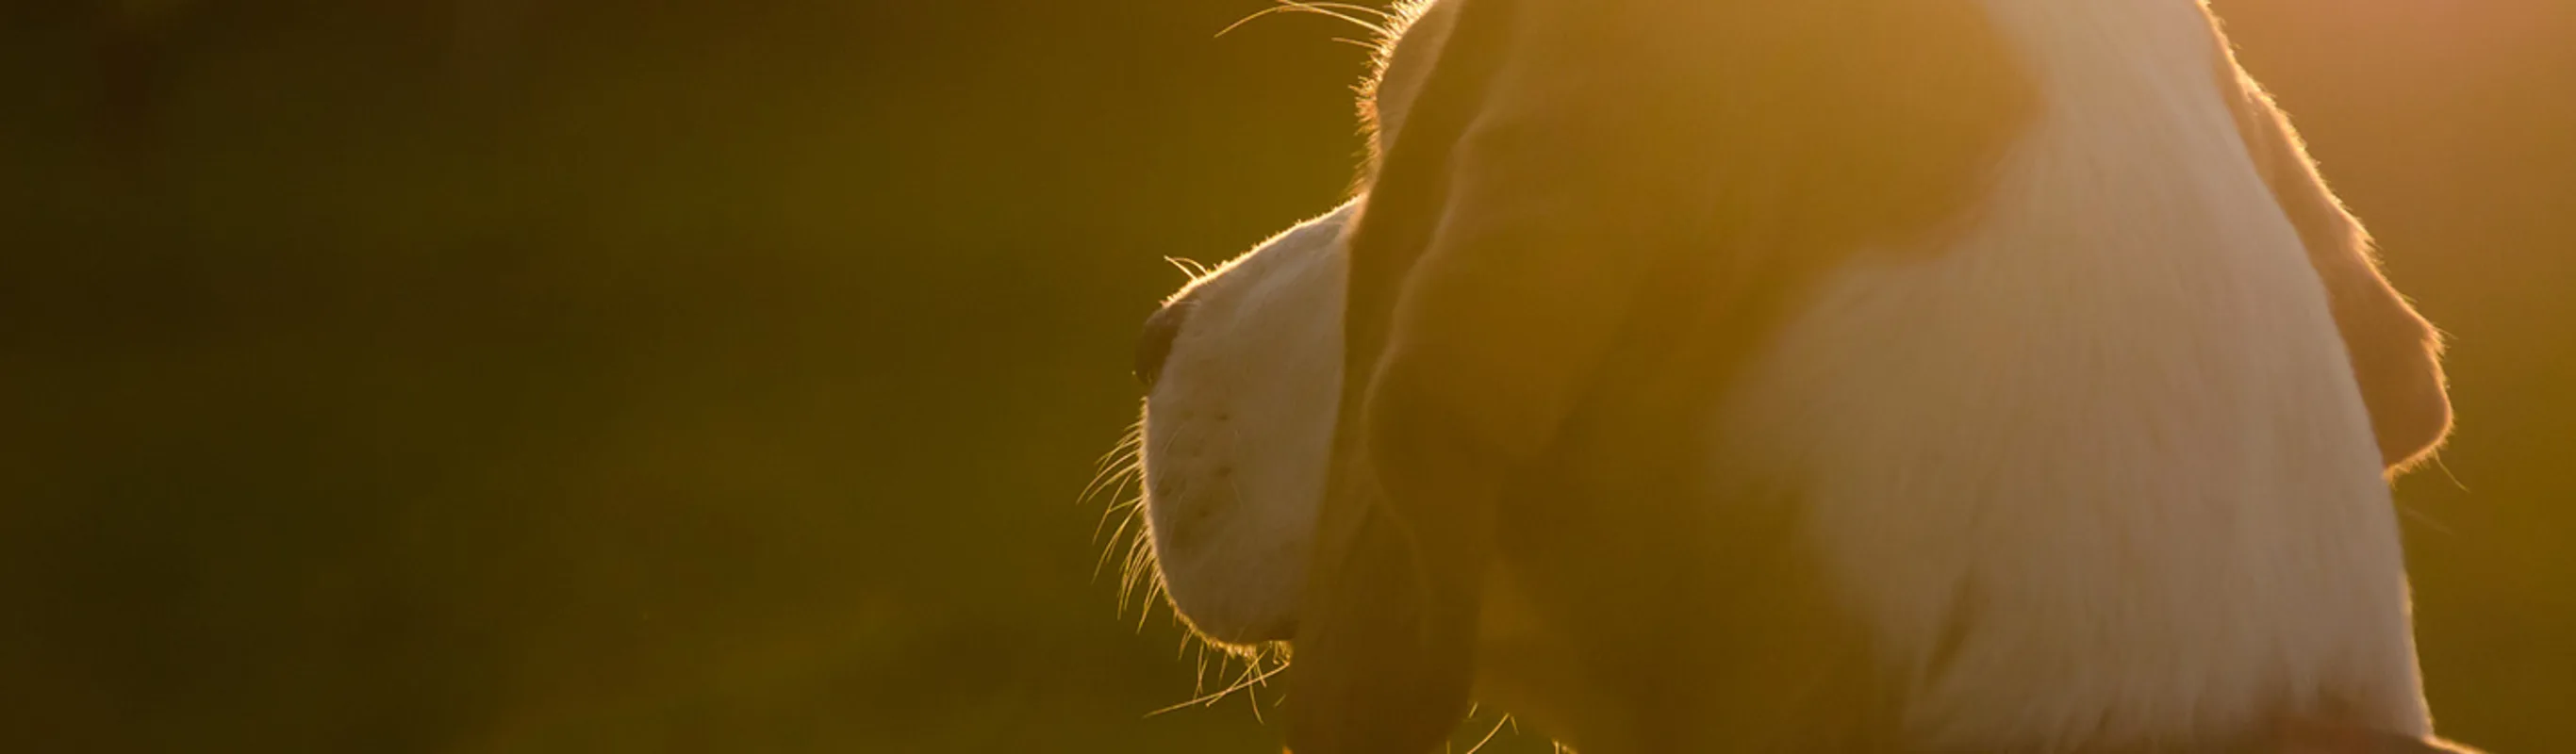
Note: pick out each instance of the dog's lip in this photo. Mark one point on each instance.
(1280, 630)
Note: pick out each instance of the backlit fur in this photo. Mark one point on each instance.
(2094, 467)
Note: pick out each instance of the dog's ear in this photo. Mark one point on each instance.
(1573, 178)
(2396, 354)
(1383, 655)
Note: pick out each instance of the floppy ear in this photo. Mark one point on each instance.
(1568, 166)
(1383, 654)
(2396, 354)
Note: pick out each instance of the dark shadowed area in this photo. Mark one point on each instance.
(696, 376)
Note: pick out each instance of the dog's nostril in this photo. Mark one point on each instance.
(1156, 344)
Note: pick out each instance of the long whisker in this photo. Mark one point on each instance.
(1191, 267)
(1343, 11)
(1213, 697)
(1123, 522)
(1124, 453)
(1381, 13)
(1112, 509)
(1138, 571)
(1112, 482)
(1115, 487)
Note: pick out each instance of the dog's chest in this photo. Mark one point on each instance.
(2099, 467)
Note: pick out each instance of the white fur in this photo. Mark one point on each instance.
(2116, 420)
(2112, 430)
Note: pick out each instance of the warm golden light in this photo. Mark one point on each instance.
(704, 376)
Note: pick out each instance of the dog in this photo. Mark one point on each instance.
(1819, 376)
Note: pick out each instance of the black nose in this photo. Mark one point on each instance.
(1156, 344)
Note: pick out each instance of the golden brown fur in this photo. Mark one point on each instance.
(2395, 352)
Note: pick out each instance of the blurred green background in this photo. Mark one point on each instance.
(698, 376)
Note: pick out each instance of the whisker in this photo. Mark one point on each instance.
(1341, 11)
(1381, 13)
(2445, 466)
(1113, 485)
(1139, 571)
(1198, 671)
(1106, 511)
(1220, 694)
(1135, 431)
(1103, 563)
(1191, 267)
(1109, 474)
(1127, 581)
(2418, 516)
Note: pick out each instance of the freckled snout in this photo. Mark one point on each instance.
(1242, 374)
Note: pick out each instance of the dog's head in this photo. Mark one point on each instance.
(1327, 415)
